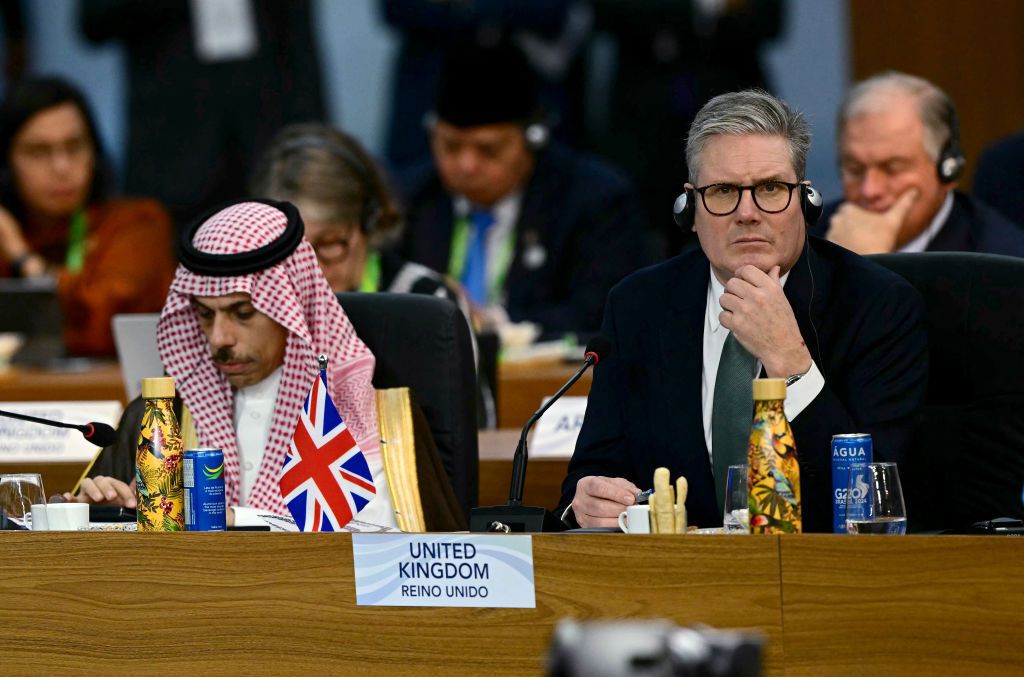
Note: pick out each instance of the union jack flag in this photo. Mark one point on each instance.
(325, 480)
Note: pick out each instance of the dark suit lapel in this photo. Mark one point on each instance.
(682, 357)
(534, 226)
(428, 237)
(808, 285)
(955, 234)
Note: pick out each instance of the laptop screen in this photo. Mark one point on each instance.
(30, 307)
(135, 338)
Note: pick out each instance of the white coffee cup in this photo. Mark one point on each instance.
(39, 521)
(636, 519)
(67, 516)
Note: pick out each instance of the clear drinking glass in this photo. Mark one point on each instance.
(18, 492)
(736, 517)
(874, 501)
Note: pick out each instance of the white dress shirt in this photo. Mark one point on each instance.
(798, 395)
(254, 412)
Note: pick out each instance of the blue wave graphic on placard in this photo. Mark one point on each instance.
(512, 560)
(379, 545)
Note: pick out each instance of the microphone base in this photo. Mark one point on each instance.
(514, 518)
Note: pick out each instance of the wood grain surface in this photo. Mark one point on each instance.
(270, 603)
(95, 381)
(261, 603)
(914, 605)
(522, 388)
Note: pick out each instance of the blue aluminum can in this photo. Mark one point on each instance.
(204, 490)
(851, 454)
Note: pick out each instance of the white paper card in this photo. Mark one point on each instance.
(22, 441)
(224, 29)
(460, 570)
(557, 430)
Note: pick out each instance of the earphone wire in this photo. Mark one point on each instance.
(810, 303)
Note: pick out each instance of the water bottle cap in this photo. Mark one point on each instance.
(769, 388)
(157, 387)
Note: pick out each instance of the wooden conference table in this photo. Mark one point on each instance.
(257, 603)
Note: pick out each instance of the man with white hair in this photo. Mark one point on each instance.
(900, 160)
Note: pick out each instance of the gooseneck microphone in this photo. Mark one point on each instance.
(514, 516)
(100, 434)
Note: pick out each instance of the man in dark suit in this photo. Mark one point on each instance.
(846, 334)
(999, 176)
(531, 229)
(900, 158)
(208, 86)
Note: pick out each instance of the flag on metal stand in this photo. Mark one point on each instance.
(325, 481)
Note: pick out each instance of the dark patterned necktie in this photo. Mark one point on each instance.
(731, 411)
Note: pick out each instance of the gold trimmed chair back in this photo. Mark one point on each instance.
(398, 448)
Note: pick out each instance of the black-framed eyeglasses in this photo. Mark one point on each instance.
(772, 197)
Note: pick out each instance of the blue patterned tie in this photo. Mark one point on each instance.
(474, 275)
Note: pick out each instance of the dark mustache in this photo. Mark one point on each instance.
(225, 354)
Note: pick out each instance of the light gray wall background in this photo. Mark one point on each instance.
(810, 67)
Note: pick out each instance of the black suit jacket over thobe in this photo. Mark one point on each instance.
(578, 210)
(863, 325)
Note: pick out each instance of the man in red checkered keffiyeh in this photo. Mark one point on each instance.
(256, 249)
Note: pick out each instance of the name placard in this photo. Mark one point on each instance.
(464, 570)
(556, 431)
(22, 441)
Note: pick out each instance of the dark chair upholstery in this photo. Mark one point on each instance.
(422, 342)
(967, 462)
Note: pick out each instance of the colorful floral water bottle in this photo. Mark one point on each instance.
(158, 484)
(774, 479)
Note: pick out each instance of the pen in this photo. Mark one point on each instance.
(644, 496)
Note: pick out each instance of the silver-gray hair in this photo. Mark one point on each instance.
(934, 106)
(751, 111)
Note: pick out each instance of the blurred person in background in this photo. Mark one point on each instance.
(209, 84)
(57, 218)
(532, 230)
(900, 160)
(1000, 175)
(669, 59)
(552, 34)
(352, 219)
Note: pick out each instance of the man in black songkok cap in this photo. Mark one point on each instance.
(532, 230)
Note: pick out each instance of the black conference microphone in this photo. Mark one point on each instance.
(100, 434)
(514, 516)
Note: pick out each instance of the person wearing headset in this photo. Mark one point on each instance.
(759, 297)
(533, 231)
(900, 159)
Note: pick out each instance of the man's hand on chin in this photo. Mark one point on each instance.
(867, 232)
(755, 309)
